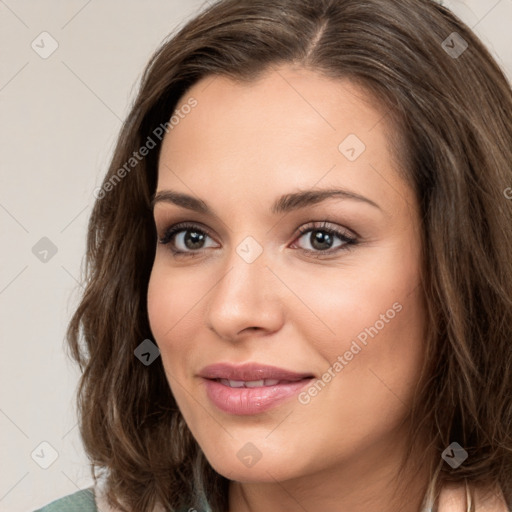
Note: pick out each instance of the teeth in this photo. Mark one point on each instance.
(232, 383)
(254, 383)
(249, 383)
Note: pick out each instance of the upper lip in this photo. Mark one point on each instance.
(249, 372)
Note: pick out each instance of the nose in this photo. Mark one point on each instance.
(246, 301)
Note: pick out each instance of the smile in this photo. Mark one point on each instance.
(251, 397)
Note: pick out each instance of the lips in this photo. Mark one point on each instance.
(250, 383)
(250, 388)
(250, 372)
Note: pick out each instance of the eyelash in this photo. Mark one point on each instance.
(348, 241)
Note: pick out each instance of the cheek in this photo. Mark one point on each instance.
(359, 305)
(381, 356)
(375, 316)
(160, 304)
(170, 299)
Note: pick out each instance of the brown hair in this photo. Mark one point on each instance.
(453, 129)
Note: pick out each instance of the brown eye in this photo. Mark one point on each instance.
(184, 238)
(192, 240)
(325, 239)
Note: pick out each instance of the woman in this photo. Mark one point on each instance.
(299, 290)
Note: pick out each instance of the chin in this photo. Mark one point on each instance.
(244, 464)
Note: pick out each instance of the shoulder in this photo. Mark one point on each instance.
(81, 501)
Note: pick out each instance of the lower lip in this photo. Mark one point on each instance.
(245, 401)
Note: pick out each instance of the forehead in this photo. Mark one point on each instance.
(290, 127)
(282, 97)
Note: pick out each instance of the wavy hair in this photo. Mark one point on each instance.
(451, 115)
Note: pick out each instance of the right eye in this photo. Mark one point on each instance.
(185, 238)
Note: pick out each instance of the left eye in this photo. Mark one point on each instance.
(323, 239)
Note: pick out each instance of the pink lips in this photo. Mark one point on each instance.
(250, 388)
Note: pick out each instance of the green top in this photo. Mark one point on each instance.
(81, 501)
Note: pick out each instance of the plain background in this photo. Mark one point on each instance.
(59, 119)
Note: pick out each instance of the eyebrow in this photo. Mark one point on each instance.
(285, 203)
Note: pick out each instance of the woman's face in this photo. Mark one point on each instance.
(337, 305)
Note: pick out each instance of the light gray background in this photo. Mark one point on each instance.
(59, 120)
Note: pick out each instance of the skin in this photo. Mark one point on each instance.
(241, 147)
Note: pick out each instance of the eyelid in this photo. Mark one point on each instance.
(329, 227)
(183, 226)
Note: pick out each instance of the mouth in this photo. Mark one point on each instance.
(251, 373)
(253, 383)
(251, 388)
